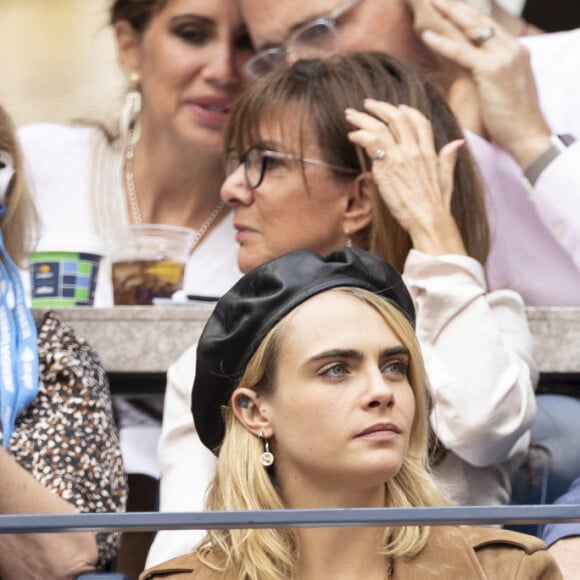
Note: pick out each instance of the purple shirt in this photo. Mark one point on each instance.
(536, 234)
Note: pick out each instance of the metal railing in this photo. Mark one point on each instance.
(352, 517)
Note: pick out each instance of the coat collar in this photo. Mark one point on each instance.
(447, 555)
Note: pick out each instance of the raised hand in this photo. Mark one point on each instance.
(415, 182)
(500, 68)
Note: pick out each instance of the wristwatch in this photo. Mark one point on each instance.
(558, 144)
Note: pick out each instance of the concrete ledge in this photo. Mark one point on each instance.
(145, 339)
(137, 339)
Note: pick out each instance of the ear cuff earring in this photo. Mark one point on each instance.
(267, 458)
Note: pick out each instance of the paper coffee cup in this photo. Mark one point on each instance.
(63, 271)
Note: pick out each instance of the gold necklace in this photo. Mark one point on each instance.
(389, 573)
(136, 209)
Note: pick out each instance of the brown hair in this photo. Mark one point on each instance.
(316, 92)
(137, 12)
(19, 226)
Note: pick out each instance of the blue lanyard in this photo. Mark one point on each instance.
(18, 347)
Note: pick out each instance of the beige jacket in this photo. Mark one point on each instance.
(458, 553)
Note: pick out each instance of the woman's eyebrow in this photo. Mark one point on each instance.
(394, 351)
(342, 353)
(188, 18)
(353, 354)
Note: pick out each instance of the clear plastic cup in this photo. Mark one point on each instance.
(147, 261)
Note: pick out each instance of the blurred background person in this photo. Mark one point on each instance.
(60, 452)
(162, 163)
(563, 540)
(184, 60)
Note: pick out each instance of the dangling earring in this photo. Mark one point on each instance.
(267, 458)
(129, 125)
(348, 240)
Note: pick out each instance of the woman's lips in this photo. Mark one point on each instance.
(243, 232)
(380, 431)
(211, 110)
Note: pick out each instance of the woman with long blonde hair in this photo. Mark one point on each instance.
(311, 390)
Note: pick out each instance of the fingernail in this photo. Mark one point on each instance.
(349, 111)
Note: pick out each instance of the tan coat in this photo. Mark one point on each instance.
(456, 553)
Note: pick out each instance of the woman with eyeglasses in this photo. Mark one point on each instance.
(393, 177)
(515, 99)
(311, 390)
(328, 33)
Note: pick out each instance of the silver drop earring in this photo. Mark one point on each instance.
(267, 458)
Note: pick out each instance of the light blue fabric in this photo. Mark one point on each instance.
(554, 532)
(18, 347)
(554, 463)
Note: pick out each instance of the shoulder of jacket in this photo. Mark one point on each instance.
(181, 565)
(186, 566)
(479, 538)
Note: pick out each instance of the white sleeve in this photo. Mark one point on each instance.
(479, 358)
(186, 465)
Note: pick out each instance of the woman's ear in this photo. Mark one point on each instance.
(250, 411)
(128, 47)
(359, 209)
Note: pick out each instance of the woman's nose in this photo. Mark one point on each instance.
(222, 68)
(234, 190)
(379, 392)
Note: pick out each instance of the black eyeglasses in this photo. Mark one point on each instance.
(317, 38)
(255, 161)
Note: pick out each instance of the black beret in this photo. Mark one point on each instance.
(247, 312)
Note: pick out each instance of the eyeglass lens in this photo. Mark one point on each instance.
(317, 39)
(267, 61)
(254, 167)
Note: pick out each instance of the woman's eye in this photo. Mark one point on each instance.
(192, 34)
(334, 370)
(274, 162)
(396, 367)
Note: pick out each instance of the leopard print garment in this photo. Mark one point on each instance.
(67, 438)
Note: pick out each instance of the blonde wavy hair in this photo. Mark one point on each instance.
(20, 225)
(242, 483)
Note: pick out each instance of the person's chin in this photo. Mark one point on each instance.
(248, 260)
(204, 136)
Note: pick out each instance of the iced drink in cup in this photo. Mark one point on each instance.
(148, 261)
